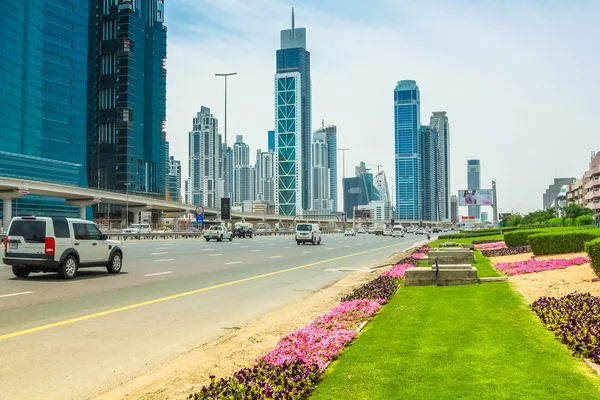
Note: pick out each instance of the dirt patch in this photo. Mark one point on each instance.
(557, 283)
(226, 355)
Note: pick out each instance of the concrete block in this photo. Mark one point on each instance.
(445, 257)
(465, 275)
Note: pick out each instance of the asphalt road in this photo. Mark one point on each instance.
(75, 339)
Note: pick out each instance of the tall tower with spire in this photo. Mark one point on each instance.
(293, 105)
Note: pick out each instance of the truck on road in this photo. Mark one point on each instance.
(379, 228)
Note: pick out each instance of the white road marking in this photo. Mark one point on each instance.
(244, 247)
(15, 294)
(254, 251)
(214, 255)
(233, 262)
(347, 246)
(287, 247)
(165, 259)
(160, 273)
(306, 252)
(161, 248)
(330, 248)
(157, 254)
(275, 257)
(206, 249)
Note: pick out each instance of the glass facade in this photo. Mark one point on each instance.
(429, 170)
(359, 191)
(43, 82)
(439, 124)
(127, 96)
(407, 109)
(271, 138)
(474, 182)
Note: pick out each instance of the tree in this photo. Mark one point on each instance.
(583, 220)
(510, 220)
(573, 211)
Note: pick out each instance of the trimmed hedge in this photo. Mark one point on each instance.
(469, 235)
(519, 238)
(559, 242)
(592, 248)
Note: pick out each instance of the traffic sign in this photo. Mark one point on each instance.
(200, 219)
(199, 210)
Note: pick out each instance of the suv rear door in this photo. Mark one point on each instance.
(98, 246)
(26, 236)
(82, 242)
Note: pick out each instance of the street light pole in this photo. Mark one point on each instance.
(343, 162)
(127, 184)
(226, 166)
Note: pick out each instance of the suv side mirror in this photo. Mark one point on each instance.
(104, 236)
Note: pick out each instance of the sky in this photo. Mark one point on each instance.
(518, 78)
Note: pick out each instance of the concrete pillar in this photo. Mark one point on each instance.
(7, 211)
(82, 212)
(136, 217)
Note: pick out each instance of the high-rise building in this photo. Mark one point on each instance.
(429, 174)
(293, 123)
(127, 96)
(243, 173)
(173, 180)
(407, 110)
(265, 176)
(321, 173)
(550, 195)
(43, 98)
(359, 190)
(205, 161)
(474, 183)
(271, 141)
(331, 137)
(454, 209)
(439, 123)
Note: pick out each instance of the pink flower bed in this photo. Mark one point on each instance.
(418, 256)
(487, 246)
(533, 265)
(397, 271)
(324, 338)
(425, 249)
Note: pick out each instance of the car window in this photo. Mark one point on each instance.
(304, 227)
(31, 231)
(81, 232)
(61, 227)
(94, 232)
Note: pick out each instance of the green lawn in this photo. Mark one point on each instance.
(458, 342)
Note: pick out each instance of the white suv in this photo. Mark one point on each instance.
(58, 244)
(308, 233)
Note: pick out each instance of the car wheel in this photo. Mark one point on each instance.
(207, 239)
(20, 272)
(319, 242)
(230, 238)
(68, 269)
(115, 263)
(297, 242)
(219, 238)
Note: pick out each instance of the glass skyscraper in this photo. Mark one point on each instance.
(429, 172)
(127, 96)
(293, 123)
(407, 110)
(43, 87)
(271, 141)
(474, 183)
(331, 138)
(439, 124)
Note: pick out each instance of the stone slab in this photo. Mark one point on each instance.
(446, 277)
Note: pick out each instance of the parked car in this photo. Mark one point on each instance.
(218, 233)
(243, 230)
(308, 233)
(350, 232)
(58, 244)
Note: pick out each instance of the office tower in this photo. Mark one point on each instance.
(271, 141)
(331, 135)
(205, 161)
(173, 180)
(127, 96)
(439, 123)
(243, 173)
(265, 176)
(407, 109)
(293, 123)
(474, 183)
(429, 173)
(43, 98)
(359, 190)
(454, 209)
(321, 173)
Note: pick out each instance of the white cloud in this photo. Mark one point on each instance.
(518, 80)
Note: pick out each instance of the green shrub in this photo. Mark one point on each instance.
(593, 250)
(468, 235)
(519, 238)
(584, 220)
(568, 222)
(555, 221)
(558, 242)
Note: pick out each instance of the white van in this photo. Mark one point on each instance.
(308, 233)
(398, 230)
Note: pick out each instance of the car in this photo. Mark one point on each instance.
(243, 231)
(138, 228)
(387, 232)
(308, 233)
(58, 244)
(398, 230)
(420, 232)
(362, 231)
(218, 233)
(350, 232)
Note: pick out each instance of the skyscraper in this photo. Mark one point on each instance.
(173, 180)
(429, 174)
(271, 141)
(474, 183)
(321, 173)
(407, 116)
(359, 190)
(265, 176)
(293, 123)
(243, 173)
(331, 135)
(439, 123)
(127, 95)
(43, 98)
(205, 184)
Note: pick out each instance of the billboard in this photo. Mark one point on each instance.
(225, 208)
(475, 197)
(362, 213)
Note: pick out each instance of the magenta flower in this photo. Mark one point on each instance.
(533, 265)
(418, 256)
(487, 246)
(397, 271)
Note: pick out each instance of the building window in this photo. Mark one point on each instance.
(108, 64)
(126, 115)
(107, 98)
(126, 45)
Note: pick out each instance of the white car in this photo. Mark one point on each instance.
(350, 232)
(58, 244)
(219, 233)
(362, 231)
(398, 231)
(308, 233)
(138, 228)
(387, 232)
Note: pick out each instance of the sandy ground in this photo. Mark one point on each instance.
(224, 356)
(557, 283)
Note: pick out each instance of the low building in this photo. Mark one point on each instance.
(551, 194)
(591, 185)
(380, 210)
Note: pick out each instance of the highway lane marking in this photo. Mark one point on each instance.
(215, 255)
(275, 257)
(158, 254)
(162, 248)
(165, 259)
(346, 246)
(254, 251)
(306, 252)
(233, 262)
(160, 273)
(184, 294)
(15, 294)
(244, 247)
(287, 247)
